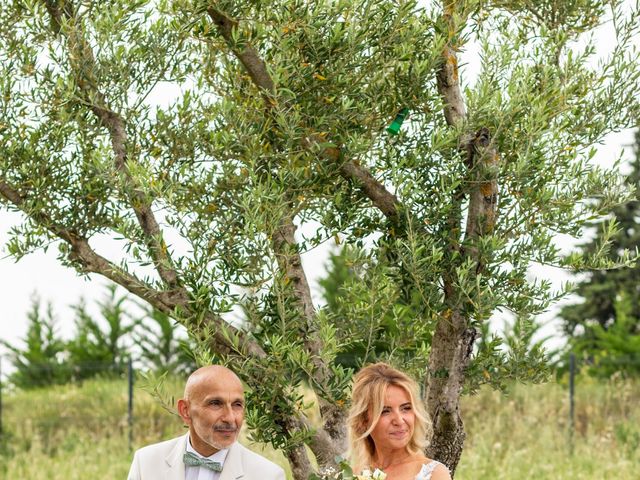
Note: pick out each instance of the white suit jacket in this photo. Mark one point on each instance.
(163, 461)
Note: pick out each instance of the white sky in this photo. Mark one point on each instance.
(40, 273)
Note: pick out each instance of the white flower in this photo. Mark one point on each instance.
(364, 475)
(329, 472)
(367, 475)
(379, 474)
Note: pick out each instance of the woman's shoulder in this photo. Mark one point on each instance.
(433, 470)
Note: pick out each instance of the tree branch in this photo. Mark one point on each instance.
(226, 338)
(447, 77)
(285, 246)
(453, 338)
(381, 198)
(283, 238)
(483, 198)
(449, 88)
(83, 64)
(253, 64)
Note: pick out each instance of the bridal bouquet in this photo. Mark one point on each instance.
(344, 472)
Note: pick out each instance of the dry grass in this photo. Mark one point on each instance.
(526, 434)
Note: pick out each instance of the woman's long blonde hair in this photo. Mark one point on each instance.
(367, 400)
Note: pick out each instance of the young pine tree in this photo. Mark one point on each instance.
(163, 344)
(96, 350)
(41, 361)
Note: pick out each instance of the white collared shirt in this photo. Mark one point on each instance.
(201, 473)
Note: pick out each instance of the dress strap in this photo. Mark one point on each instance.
(427, 470)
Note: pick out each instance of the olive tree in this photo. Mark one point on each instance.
(279, 120)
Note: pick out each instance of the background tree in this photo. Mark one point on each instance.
(164, 346)
(606, 322)
(615, 349)
(96, 350)
(279, 119)
(41, 361)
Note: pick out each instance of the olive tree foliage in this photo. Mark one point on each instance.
(279, 121)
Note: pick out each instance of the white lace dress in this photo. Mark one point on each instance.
(427, 469)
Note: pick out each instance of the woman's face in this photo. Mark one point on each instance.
(395, 425)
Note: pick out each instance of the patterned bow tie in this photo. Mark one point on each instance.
(193, 460)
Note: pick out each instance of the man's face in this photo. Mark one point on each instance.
(214, 411)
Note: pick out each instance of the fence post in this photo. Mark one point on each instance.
(130, 406)
(1, 431)
(572, 375)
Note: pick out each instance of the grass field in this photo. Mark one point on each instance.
(526, 434)
(80, 432)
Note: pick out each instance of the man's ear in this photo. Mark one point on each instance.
(183, 411)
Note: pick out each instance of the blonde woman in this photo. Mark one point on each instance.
(389, 427)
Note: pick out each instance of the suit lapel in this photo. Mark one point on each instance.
(173, 461)
(232, 469)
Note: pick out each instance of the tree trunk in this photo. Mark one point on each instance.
(452, 342)
(450, 353)
(299, 463)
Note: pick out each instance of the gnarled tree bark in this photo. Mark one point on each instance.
(453, 339)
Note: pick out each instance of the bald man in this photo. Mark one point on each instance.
(213, 409)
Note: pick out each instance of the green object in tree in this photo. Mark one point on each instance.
(394, 128)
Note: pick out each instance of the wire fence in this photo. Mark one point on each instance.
(127, 370)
